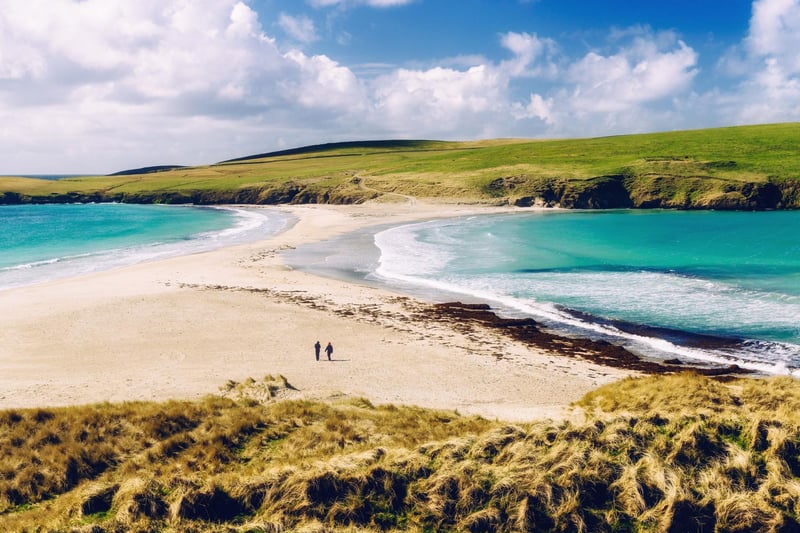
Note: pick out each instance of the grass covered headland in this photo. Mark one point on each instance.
(668, 453)
(746, 167)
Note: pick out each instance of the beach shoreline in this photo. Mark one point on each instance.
(181, 328)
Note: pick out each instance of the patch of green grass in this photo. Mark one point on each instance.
(352, 172)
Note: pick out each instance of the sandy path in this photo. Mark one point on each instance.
(183, 327)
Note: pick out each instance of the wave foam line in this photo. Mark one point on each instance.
(549, 313)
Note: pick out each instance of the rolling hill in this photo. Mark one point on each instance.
(743, 167)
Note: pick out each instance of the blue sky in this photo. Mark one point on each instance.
(430, 30)
(95, 86)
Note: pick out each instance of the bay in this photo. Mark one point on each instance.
(720, 287)
(54, 241)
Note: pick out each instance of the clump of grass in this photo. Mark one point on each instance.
(675, 453)
(269, 388)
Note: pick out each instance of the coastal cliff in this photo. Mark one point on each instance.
(643, 192)
(602, 192)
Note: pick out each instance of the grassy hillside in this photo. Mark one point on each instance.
(678, 453)
(738, 167)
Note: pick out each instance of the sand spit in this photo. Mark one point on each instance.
(182, 327)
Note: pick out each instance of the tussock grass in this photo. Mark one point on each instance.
(667, 453)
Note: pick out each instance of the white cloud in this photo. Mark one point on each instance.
(467, 102)
(187, 80)
(775, 30)
(148, 49)
(527, 52)
(632, 89)
(300, 28)
(168, 81)
(631, 77)
(770, 90)
(538, 107)
(324, 84)
(101, 85)
(244, 22)
(441, 101)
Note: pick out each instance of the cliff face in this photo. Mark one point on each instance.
(654, 192)
(604, 192)
(288, 193)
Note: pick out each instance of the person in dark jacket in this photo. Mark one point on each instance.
(317, 346)
(329, 350)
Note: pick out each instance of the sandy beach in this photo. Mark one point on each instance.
(181, 328)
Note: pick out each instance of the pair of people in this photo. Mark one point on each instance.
(328, 349)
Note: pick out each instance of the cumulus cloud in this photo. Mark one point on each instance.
(101, 85)
(775, 30)
(194, 82)
(301, 28)
(615, 92)
(532, 56)
(191, 81)
(438, 101)
(770, 90)
(145, 51)
(467, 102)
(324, 84)
(633, 76)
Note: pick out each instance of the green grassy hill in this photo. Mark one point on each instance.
(670, 453)
(748, 167)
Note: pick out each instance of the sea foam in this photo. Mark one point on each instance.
(741, 320)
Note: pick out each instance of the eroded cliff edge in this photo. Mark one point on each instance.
(602, 192)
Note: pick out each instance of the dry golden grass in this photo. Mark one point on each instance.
(678, 453)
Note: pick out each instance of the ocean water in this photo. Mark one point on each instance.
(45, 242)
(718, 287)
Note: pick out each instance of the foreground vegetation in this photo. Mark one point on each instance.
(676, 453)
(749, 167)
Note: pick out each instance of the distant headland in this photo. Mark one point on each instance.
(742, 168)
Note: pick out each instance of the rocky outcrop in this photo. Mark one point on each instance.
(668, 192)
(604, 192)
(13, 198)
(707, 193)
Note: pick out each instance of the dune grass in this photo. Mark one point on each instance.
(350, 172)
(675, 453)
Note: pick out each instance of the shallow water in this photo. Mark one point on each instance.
(711, 286)
(53, 241)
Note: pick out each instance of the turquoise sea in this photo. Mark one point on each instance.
(718, 287)
(53, 241)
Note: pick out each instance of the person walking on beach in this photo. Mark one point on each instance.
(317, 346)
(329, 350)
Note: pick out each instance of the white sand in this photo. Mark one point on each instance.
(181, 328)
